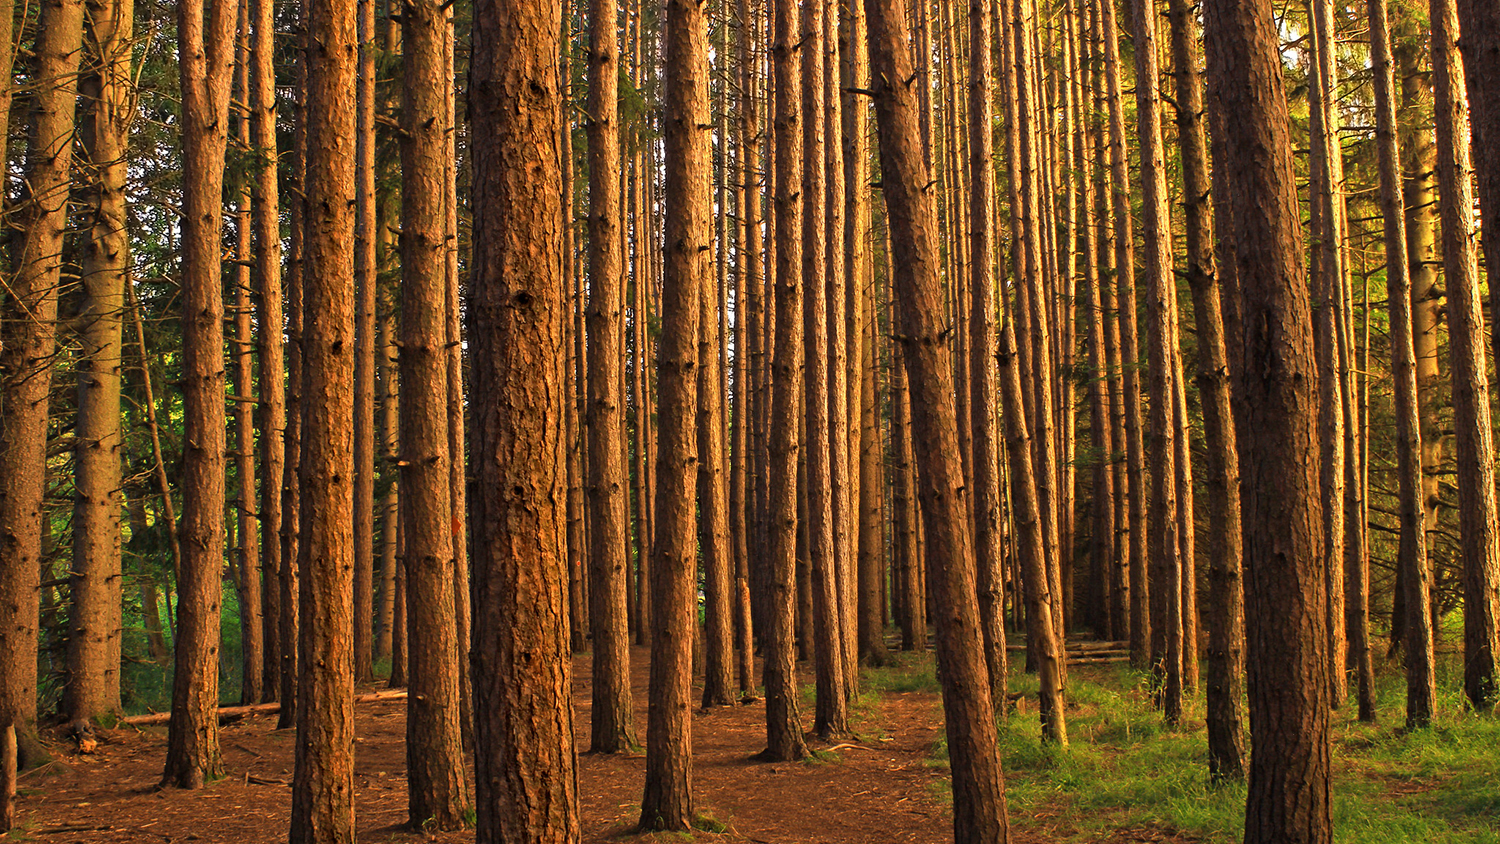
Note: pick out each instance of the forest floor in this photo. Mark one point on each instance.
(1125, 779)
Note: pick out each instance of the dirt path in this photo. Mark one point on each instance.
(878, 788)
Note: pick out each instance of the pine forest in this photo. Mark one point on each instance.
(776, 421)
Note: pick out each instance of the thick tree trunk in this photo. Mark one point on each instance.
(94, 623)
(1474, 442)
(205, 59)
(527, 791)
(979, 814)
(1288, 798)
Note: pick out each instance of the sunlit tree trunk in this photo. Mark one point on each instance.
(1288, 800)
(205, 60)
(1474, 442)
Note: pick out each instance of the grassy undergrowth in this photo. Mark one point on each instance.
(1124, 769)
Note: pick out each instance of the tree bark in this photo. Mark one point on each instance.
(266, 222)
(667, 803)
(323, 776)
(527, 790)
(1474, 442)
(94, 623)
(436, 791)
(611, 730)
(365, 287)
(1288, 797)
(783, 720)
(979, 813)
(205, 60)
(1412, 549)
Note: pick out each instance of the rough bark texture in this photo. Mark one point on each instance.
(978, 788)
(1474, 443)
(1161, 333)
(1288, 798)
(323, 777)
(436, 792)
(204, 60)
(1480, 44)
(987, 501)
(266, 222)
(783, 720)
(668, 800)
(365, 284)
(94, 624)
(1225, 537)
(1413, 541)
(526, 789)
(610, 721)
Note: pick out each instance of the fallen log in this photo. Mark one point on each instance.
(227, 713)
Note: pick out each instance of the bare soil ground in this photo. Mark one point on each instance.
(878, 786)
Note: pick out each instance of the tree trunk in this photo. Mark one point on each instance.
(1474, 442)
(611, 730)
(987, 502)
(527, 791)
(94, 625)
(436, 791)
(1161, 333)
(365, 285)
(1289, 767)
(205, 59)
(783, 720)
(289, 632)
(667, 803)
(979, 814)
(323, 777)
(266, 222)
(1412, 549)
(1225, 611)
(1480, 43)
(1140, 597)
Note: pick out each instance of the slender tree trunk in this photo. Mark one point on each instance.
(291, 490)
(1412, 549)
(205, 59)
(1474, 442)
(611, 730)
(783, 720)
(1140, 596)
(1225, 610)
(831, 711)
(668, 800)
(365, 284)
(987, 503)
(436, 790)
(246, 553)
(1289, 768)
(94, 624)
(527, 791)
(1161, 332)
(979, 813)
(323, 778)
(266, 222)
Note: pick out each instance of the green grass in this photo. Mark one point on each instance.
(1126, 769)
